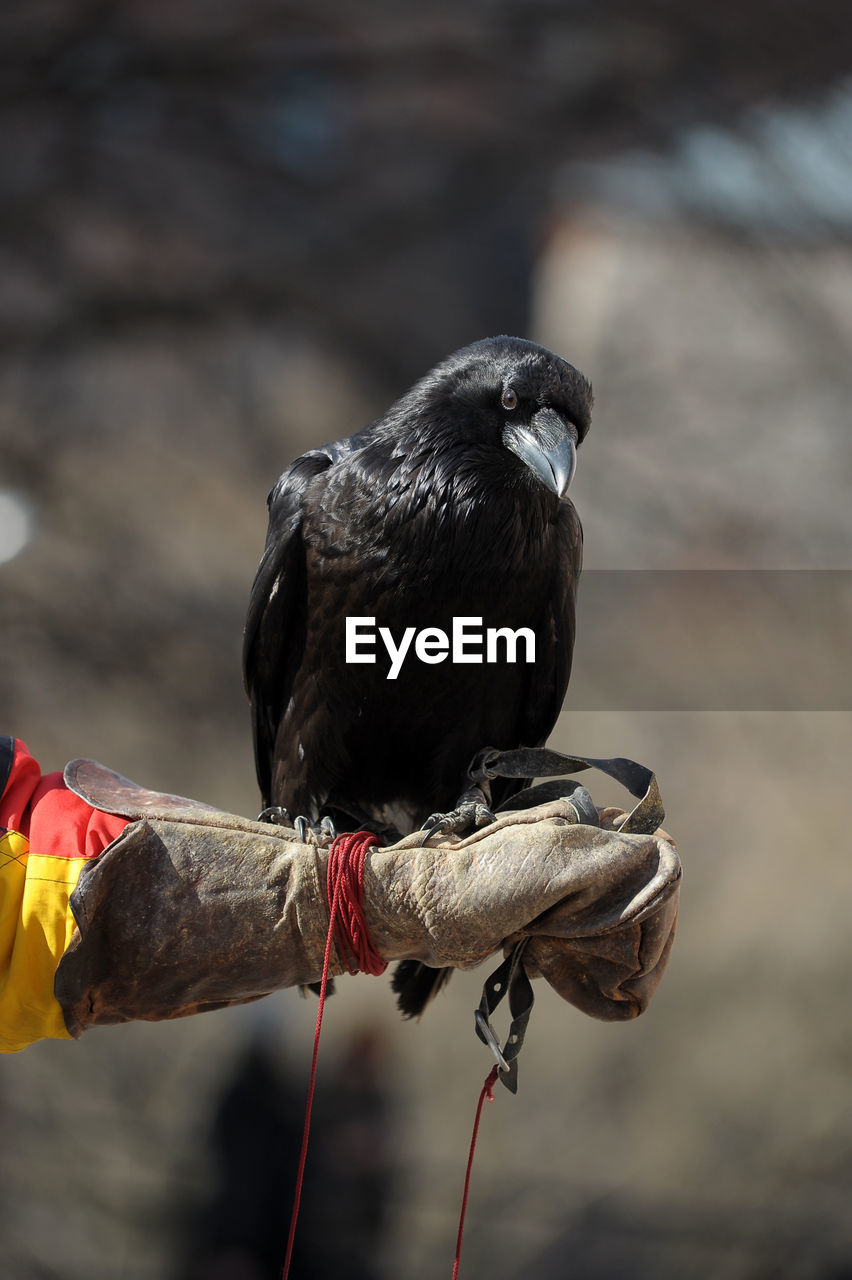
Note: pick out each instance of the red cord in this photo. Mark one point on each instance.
(344, 886)
(490, 1081)
(346, 870)
(347, 926)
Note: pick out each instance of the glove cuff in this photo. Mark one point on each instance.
(176, 918)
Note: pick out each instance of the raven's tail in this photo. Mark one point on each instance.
(415, 985)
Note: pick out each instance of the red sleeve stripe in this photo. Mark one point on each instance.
(56, 822)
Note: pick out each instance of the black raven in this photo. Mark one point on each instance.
(449, 507)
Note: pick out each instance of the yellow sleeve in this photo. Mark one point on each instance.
(35, 928)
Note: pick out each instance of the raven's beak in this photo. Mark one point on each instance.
(548, 446)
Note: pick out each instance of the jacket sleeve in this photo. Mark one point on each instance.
(47, 835)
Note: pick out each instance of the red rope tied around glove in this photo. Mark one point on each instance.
(345, 881)
(490, 1081)
(348, 926)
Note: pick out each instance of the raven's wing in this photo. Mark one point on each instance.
(550, 674)
(274, 636)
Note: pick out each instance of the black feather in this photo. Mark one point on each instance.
(415, 984)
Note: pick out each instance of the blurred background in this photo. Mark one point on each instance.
(229, 231)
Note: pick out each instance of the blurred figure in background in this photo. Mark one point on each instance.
(255, 1138)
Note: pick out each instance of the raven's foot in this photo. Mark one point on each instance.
(322, 833)
(310, 833)
(467, 817)
(277, 815)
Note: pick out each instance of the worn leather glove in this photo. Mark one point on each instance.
(193, 909)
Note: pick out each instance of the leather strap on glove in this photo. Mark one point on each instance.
(193, 909)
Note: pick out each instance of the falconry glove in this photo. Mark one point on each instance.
(192, 909)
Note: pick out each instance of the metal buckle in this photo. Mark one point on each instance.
(510, 977)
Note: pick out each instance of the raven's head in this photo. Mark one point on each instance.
(512, 403)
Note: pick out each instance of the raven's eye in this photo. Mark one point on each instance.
(509, 399)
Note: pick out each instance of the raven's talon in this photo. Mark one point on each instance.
(468, 816)
(319, 834)
(276, 814)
